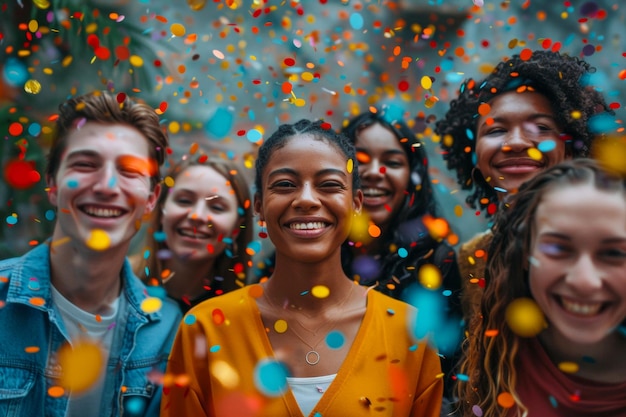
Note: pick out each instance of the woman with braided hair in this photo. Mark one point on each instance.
(527, 115)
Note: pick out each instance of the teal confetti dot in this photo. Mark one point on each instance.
(34, 129)
(50, 215)
(553, 402)
(254, 135)
(254, 247)
(390, 312)
(134, 406)
(215, 348)
(403, 253)
(189, 319)
(270, 377)
(33, 284)
(317, 414)
(462, 377)
(159, 236)
(220, 124)
(446, 293)
(146, 254)
(499, 189)
(335, 339)
(413, 348)
(112, 182)
(356, 21)
(469, 134)
(547, 146)
(72, 183)
(11, 220)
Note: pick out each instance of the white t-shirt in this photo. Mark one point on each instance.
(82, 325)
(308, 391)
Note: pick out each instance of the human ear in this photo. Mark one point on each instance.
(153, 198)
(357, 201)
(52, 190)
(258, 206)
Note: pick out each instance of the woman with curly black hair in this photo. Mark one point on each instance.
(399, 204)
(529, 114)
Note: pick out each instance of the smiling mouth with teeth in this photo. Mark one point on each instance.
(307, 226)
(192, 234)
(581, 309)
(102, 212)
(374, 192)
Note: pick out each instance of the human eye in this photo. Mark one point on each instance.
(394, 163)
(282, 185)
(554, 249)
(83, 164)
(614, 254)
(332, 184)
(495, 131)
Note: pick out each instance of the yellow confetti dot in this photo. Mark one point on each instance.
(535, 154)
(576, 114)
(611, 154)
(300, 102)
(151, 305)
(426, 82)
(98, 240)
(33, 25)
(169, 181)
(358, 228)
(506, 400)
(81, 364)
(32, 87)
(196, 5)
(429, 276)
(524, 317)
(280, 326)
(458, 210)
(136, 61)
(42, 4)
(225, 374)
(569, 367)
(177, 29)
(320, 291)
(350, 166)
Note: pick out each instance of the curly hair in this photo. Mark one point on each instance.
(560, 78)
(319, 130)
(103, 107)
(489, 362)
(224, 263)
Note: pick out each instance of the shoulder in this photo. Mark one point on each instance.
(232, 302)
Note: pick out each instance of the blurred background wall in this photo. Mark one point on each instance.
(226, 73)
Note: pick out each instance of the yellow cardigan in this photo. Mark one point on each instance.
(221, 341)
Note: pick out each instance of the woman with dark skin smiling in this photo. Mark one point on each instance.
(307, 341)
(398, 198)
(526, 116)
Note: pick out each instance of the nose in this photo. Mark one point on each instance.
(106, 182)
(584, 276)
(306, 198)
(199, 211)
(519, 139)
(371, 170)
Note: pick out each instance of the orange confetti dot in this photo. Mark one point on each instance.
(506, 400)
(287, 87)
(56, 391)
(16, 129)
(31, 349)
(484, 109)
(37, 301)
(255, 291)
(491, 332)
(373, 230)
(526, 54)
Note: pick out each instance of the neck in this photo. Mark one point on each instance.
(596, 361)
(189, 277)
(88, 279)
(292, 283)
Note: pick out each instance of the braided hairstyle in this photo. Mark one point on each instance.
(319, 130)
(561, 78)
(489, 362)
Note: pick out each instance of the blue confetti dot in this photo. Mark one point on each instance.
(254, 246)
(15, 72)
(403, 253)
(11, 220)
(270, 377)
(390, 312)
(335, 339)
(547, 146)
(499, 189)
(469, 134)
(50, 215)
(159, 236)
(254, 135)
(462, 377)
(189, 319)
(446, 293)
(215, 348)
(72, 183)
(413, 348)
(34, 129)
(220, 124)
(156, 291)
(356, 21)
(134, 406)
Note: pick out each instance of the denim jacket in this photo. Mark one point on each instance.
(32, 331)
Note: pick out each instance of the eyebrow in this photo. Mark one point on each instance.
(532, 117)
(617, 239)
(320, 173)
(82, 152)
(388, 151)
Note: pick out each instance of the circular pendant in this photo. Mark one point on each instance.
(314, 354)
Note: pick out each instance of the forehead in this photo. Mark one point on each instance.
(107, 140)
(378, 138)
(514, 102)
(582, 209)
(306, 152)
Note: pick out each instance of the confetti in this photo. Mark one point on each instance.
(98, 240)
(270, 377)
(524, 317)
(82, 365)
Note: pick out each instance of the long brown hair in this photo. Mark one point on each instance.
(224, 264)
(489, 362)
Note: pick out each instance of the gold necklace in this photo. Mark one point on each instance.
(312, 357)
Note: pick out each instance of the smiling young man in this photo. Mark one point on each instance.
(95, 340)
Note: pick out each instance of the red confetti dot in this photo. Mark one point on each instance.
(21, 174)
(491, 208)
(122, 53)
(614, 105)
(163, 106)
(157, 63)
(103, 53)
(218, 316)
(326, 126)
(525, 54)
(238, 268)
(120, 97)
(403, 85)
(16, 129)
(546, 43)
(93, 41)
(287, 87)
(290, 62)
